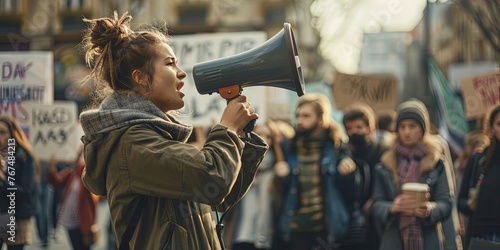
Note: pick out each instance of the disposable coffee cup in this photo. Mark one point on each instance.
(416, 190)
(473, 193)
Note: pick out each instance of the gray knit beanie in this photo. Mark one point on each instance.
(412, 110)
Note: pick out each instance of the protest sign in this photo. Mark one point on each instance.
(380, 92)
(27, 77)
(459, 71)
(205, 110)
(53, 130)
(480, 93)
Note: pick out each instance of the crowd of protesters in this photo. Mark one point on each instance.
(315, 179)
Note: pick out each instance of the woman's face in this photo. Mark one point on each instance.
(167, 80)
(4, 135)
(496, 126)
(409, 132)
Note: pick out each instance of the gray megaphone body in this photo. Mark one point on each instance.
(274, 63)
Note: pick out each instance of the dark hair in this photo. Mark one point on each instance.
(489, 119)
(385, 119)
(355, 114)
(360, 111)
(492, 115)
(323, 109)
(114, 50)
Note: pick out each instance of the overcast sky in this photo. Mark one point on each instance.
(342, 23)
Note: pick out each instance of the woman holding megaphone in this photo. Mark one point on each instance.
(161, 191)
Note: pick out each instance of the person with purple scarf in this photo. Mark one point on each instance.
(414, 157)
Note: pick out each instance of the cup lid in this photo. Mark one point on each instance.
(415, 186)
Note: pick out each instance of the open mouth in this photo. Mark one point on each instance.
(179, 87)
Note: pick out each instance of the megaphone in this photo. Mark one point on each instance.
(274, 63)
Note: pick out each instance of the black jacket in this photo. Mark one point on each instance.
(21, 195)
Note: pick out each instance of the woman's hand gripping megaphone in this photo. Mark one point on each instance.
(239, 116)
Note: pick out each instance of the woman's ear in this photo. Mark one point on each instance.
(139, 77)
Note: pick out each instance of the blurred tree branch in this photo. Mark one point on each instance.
(486, 14)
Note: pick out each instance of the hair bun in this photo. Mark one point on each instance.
(109, 31)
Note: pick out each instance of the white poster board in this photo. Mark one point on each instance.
(206, 110)
(457, 72)
(26, 77)
(53, 130)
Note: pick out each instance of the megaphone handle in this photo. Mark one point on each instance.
(250, 126)
(231, 92)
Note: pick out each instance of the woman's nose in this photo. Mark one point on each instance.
(181, 74)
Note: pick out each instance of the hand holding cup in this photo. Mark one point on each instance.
(421, 196)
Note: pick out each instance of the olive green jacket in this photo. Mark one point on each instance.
(144, 160)
(136, 154)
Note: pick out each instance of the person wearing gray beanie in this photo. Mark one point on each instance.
(413, 109)
(416, 156)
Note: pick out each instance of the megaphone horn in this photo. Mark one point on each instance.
(274, 63)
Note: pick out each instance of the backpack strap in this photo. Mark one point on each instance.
(366, 179)
(362, 181)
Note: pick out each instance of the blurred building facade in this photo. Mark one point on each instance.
(459, 39)
(56, 25)
(446, 33)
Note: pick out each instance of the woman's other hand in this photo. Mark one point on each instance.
(423, 210)
(403, 204)
(471, 203)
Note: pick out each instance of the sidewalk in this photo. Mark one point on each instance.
(63, 243)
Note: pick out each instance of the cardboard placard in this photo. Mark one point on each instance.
(480, 92)
(380, 92)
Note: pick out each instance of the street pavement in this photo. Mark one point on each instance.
(63, 243)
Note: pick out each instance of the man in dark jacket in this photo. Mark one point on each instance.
(359, 122)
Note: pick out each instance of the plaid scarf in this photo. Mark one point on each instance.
(126, 109)
(408, 171)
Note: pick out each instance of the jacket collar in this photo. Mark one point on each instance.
(390, 160)
(126, 109)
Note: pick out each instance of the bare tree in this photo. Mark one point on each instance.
(486, 14)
